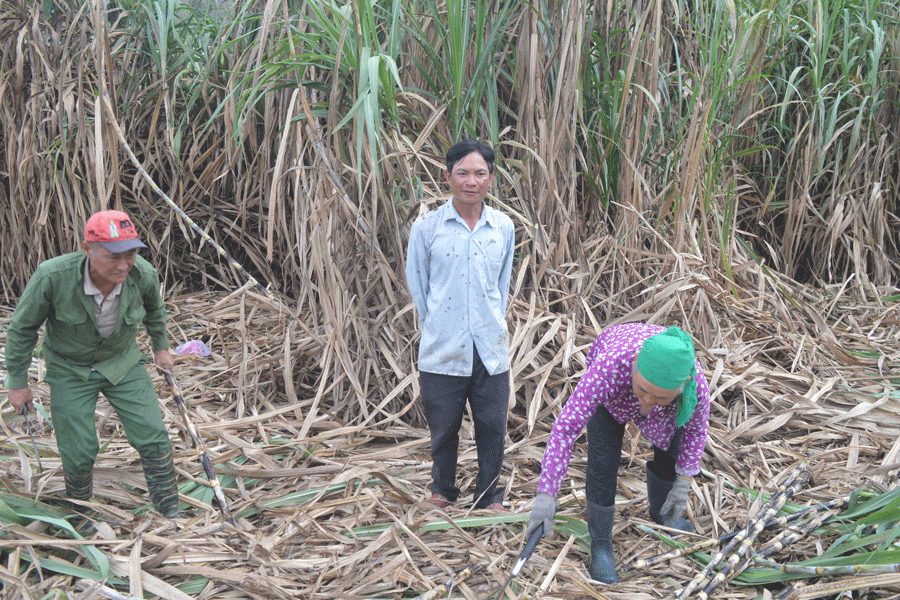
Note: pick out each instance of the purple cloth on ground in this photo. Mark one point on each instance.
(193, 347)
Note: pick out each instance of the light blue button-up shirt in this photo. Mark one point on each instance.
(459, 280)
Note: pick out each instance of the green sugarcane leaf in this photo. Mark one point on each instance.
(194, 586)
(97, 558)
(8, 515)
(444, 524)
(58, 565)
(870, 505)
(879, 557)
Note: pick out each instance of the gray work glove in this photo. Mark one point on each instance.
(676, 501)
(543, 512)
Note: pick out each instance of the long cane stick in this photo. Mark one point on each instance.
(198, 446)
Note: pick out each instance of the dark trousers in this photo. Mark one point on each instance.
(605, 450)
(444, 398)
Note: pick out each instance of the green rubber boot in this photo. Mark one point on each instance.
(600, 525)
(657, 491)
(160, 475)
(79, 487)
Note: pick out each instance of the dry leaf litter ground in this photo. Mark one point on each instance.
(329, 497)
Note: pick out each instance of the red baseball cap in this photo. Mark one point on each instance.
(114, 231)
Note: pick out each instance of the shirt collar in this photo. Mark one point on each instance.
(487, 215)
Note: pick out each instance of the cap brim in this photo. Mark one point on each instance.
(122, 245)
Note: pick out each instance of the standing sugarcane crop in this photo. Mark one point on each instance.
(635, 372)
(91, 303)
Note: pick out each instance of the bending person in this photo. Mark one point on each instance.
(635, 372)
(90, 304)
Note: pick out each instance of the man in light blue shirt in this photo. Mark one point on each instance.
(459, 261)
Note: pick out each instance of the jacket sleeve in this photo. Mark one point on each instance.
(155, 307)
(591, 391)
(693, 440)
(22, 331)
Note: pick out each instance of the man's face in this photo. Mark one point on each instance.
(108, 268)
(470, 179)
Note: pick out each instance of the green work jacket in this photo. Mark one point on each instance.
(72, 344)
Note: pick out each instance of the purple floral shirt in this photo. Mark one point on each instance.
(607, 382)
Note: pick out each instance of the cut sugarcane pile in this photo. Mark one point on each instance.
(328, 490)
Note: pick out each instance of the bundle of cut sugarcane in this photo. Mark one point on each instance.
(737, 551)
(874, 526)
(740, 544)
(818, 511)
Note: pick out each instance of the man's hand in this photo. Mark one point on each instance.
(676, 502)
(543, 512)
(164, 360)
(19, 398)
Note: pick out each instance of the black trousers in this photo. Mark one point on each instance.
(605, 451)
(444, 398)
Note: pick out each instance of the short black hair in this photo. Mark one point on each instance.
(466, 147)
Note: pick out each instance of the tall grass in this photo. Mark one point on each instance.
(755, 121)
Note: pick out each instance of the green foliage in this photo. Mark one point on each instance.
(23, 511)
(731, 101)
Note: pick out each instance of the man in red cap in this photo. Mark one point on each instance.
(90, 304)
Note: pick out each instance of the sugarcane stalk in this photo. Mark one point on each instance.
(840, 587)
(790, 536)
(198, 446)
(786, 538)
(801, 514)
(689, 549)
(704, 575)
(140, 167)
(448, 585)
(756, 526)
(830, 571)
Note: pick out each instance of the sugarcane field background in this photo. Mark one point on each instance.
(731, 167)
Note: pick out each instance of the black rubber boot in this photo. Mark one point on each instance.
(657, 491)
(600, 525)
(160, 475)
(79, 487)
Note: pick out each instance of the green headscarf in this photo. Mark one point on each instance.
(666, 360)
